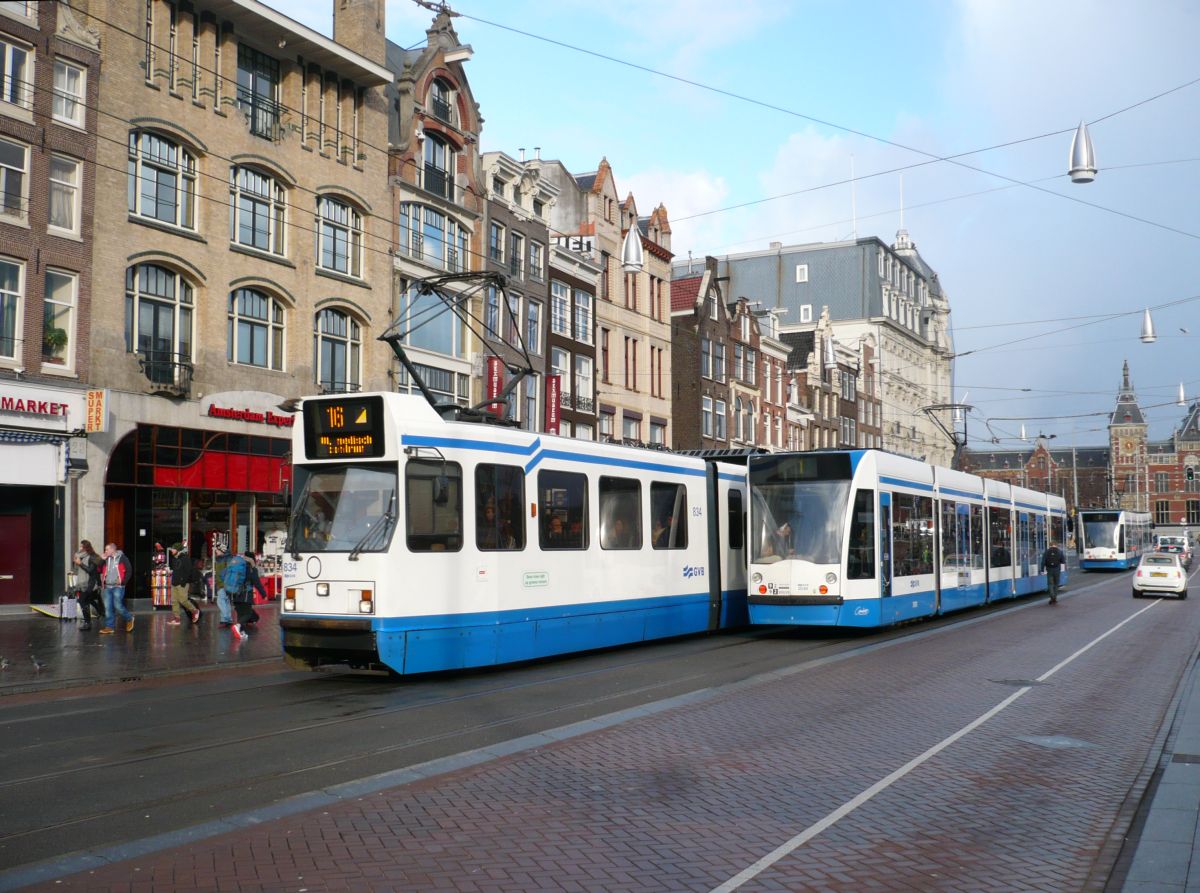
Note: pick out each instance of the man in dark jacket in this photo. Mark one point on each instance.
(1052, 561)
(182, 571)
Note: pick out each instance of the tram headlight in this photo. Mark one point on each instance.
(756, 578)
(831, 577)
(323, 589)
(289, 599)
(365, 603)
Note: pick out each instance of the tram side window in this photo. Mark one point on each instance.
(1039, 546)
(999, 537)
(620, 513)
(433, 503)
(499, 508)
(860, 561)
(668, 514)
(1056, 532)
(737, 521)
(912, 535)
(949, 531)
(562, 510)
(977, 536)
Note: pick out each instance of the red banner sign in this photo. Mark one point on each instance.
(494, 384)
(553, 384)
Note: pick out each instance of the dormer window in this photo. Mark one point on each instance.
(439, 167)
(441, 101)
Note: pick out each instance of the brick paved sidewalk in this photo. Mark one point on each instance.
(687, 798)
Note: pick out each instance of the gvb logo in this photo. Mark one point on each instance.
(689, 571)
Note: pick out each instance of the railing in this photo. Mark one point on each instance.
(514, 266)
(262, 113)
(167, 372)
(439, 182)
(584, 404)
(339, 387)
(441, 110)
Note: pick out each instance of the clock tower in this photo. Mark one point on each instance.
(1127, 449)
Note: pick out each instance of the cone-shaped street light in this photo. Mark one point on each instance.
(830, 356)
(631, 251)
(1148, 336)
(1083, 157)
(1182, 397)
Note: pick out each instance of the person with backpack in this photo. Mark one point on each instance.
(182, 571)
(253, 584)
(238, 591)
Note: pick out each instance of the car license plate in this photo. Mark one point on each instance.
(1157, 574)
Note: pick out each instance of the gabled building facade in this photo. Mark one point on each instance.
(699, 384)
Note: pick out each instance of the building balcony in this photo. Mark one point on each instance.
(440, 183)
(441, 110)
(168, 373)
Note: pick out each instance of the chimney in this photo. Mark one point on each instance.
(358, 25)
(522, 151)
(775, 246)
(537, 153)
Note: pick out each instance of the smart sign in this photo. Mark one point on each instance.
(346, 428)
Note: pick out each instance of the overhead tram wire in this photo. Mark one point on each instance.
(932, 156)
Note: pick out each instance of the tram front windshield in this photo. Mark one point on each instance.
(343, 508)
(798, 508)
(1100, 531)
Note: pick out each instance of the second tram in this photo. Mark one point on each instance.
(1113, 539)
(864, 538)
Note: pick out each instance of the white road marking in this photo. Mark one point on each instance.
(887, 781)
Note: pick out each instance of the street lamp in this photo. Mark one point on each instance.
(1083, 158)
(631, 251)
(1148, 336)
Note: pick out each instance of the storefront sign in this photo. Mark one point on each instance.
(97, 412)
(51, 409)
(494, 384)
(553, 384)
(249, 415)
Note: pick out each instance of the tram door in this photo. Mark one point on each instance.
(1023, 533)
(885, 544)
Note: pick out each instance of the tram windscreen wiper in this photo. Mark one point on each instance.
(376, 533)
(294, 527)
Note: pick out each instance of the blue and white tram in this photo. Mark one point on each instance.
(420, 544)
(865, 538)
(1112, 539)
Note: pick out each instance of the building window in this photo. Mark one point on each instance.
(69, 96)
(430, 236)
(496, 242)
(1162, 482)
(256, 210)
(706, 416)
(12, 288)
(560, 365)
(255, 335)
(339, 237)
(1193, 511)
(537, 253)
(806, 313)
(582, 387)
(512, 322)
(560, 309)
(533, 327)
(58, 317)
(162, 180)
(719, 361)
(720, 429)
(491, 313)
(604, 355)
(631, 428)
(606, 424)
(1162, 512)
(14, 160)
(706, 358)
(516, 253)
(337, 351)
(583, 316)
(801, 272)
(441, 101)
(158, 319)
(16, 75)
(64, 193)
(17, 7)
(439, 167)
(258, 91)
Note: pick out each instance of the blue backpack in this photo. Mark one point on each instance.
(235, 575)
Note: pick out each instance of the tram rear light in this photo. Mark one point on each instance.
(762, 590)
(289, 599)
(824, 590)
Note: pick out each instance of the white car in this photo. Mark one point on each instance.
(1160, 573)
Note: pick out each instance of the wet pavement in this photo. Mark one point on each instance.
(38, 652)
(1012, 754)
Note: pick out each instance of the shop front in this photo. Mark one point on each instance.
(36, 424)
(219, 484)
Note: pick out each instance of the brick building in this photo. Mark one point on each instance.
(241, 184)
(699, 383)
(49, 81)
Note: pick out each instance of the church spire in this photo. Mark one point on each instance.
(1126, 387)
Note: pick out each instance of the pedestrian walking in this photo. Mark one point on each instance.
(117, 574)
(1052, 562)
(182, 570)
(238, 590)
(87, 584)
(253, 584)
(223, 605)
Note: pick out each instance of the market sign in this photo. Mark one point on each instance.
(97, 412)
(51, 409)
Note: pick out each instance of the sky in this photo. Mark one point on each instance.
(755, 113)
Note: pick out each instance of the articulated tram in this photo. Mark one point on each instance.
(420, 544)
(1113, 539)
(863, 538)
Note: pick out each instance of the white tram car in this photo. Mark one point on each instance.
(419, 544)
(1113, 539)
(864, 538)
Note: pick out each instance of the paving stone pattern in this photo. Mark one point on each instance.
(685, 799)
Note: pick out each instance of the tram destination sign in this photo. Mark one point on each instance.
(346, 428)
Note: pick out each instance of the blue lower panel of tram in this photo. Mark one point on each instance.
(957, 598)
(451, 642)
(863, 612)
(1107, 564)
